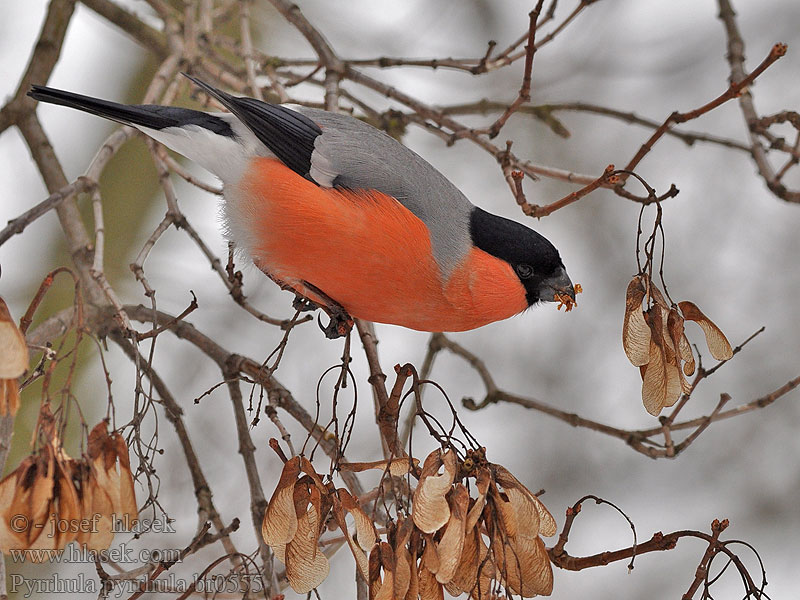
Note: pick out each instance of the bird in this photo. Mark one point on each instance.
(348, 218)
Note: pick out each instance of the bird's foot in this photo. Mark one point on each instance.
(339, 325)
(302, 304)
(340, 322)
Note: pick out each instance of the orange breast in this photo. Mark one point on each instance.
(369, 253)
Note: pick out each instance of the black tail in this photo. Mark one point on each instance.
(144, 115)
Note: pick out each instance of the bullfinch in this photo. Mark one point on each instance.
(347, 217)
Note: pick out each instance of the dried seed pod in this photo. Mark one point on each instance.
(65, 505)
(506, 515)
(96, 507)
(482, 479)
(450, 546)
(718, 344)
(25, 496)
(280, 519)
(661, 377)
(520, 558)
(397, 467)
(365, 536)
(9, 397)
(374, 579)
(526, 501)
(13, 361)
(430, 509)
(523, 564)
(635, 332)
(403, 559)
(465, 577)
(685, 350)
(13, 350)
(384, 588)
(413, 580)
(365, 530)
(111, 463)
(306, 565)
(429, 588)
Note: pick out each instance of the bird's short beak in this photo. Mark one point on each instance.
(559, 284)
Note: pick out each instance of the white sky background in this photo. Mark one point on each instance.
(732, 248)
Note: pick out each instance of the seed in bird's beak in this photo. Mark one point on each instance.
(567, 298)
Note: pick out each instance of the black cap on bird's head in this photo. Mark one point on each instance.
(534, 259)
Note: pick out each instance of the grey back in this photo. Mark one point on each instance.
(361, 156)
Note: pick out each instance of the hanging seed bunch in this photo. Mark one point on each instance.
(473, 529)
(52, 499)
(653, 335)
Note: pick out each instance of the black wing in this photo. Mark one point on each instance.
(287, 133)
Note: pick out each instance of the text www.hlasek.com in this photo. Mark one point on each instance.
(74, 554)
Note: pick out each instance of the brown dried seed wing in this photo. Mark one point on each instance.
(523, 564)
(687, 355)
(452, 543)
(358, 554)
(66, 504)
(306, 565)
(280, 519)
(718, 344)
(365, 530)
(465, 578)
(35, 494)
(482, 485)
(661, 385)
(681, 350)
(13, 350)
(9, 397)
(374, 579)
(128, 509)
(307, 468)
(397, 466)
(429, 588)
(386, 590)
(657, 296)
(413, 583)
(403, 560)
(661, 381)
(9, 538)
(506, 515)
(430, 510)
(97, 508)
(635, 332)
(547, 524)
(430, 556)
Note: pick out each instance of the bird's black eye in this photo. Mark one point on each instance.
(524, 271)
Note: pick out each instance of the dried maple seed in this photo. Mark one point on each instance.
(13, 351)
(280, 519)
(111, 463)
(567, 301)
(355, 547)
(717, 343)
(661, 378)
(635, 332)
(452, 543)
(655, 341)
(13, 361)
(430, 509)
(306, 565)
